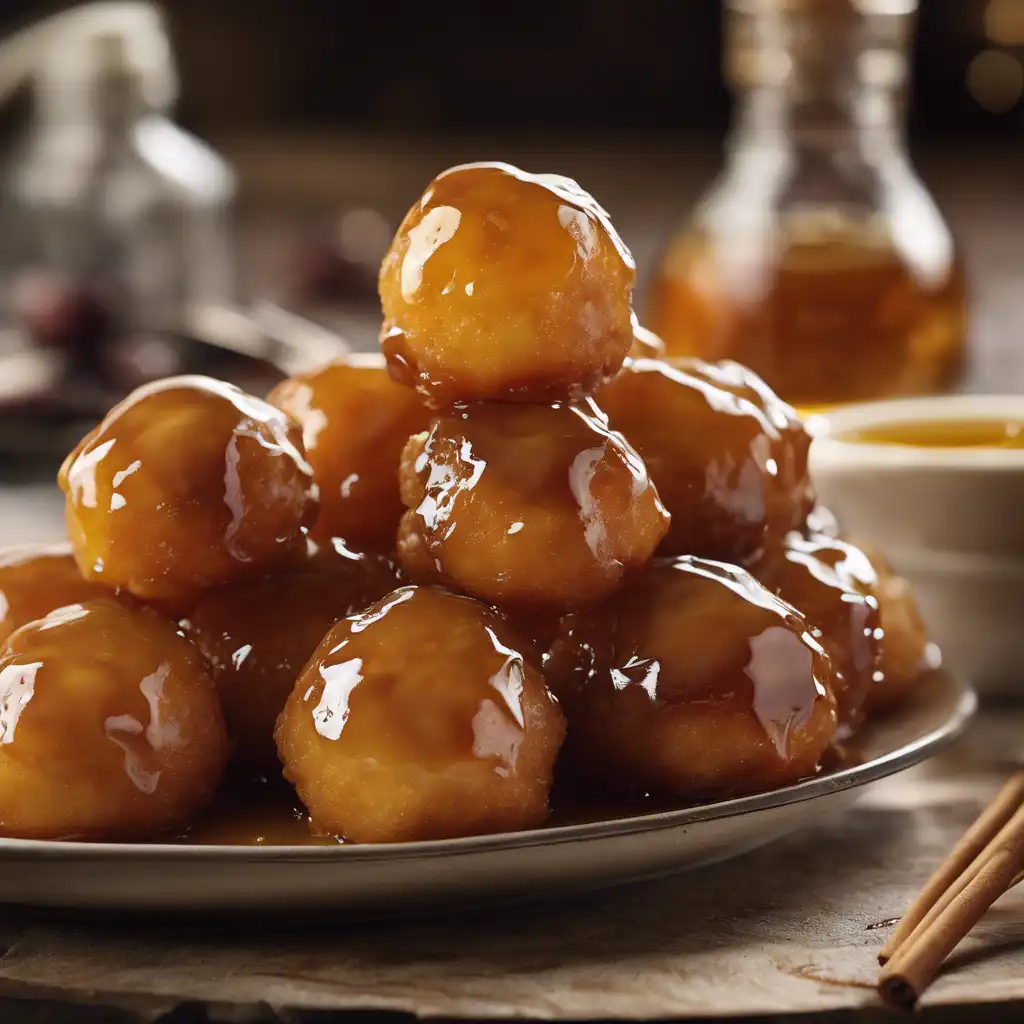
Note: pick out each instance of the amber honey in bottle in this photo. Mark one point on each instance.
(818, 258)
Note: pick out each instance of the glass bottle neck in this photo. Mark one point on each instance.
(111, 106)
(813, 73)
(860, 118)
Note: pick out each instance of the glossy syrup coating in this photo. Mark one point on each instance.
(526, 504)
(186, 484)
(257, 635)
(822, 522)
(109, 726)
(905, 652)
(728, 457)
(693, 680)
(355, 422)
(833, 585)
(421, 719)
(646, 344)
(37, 578)
(507, 286)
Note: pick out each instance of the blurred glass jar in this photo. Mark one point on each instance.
(818, 258)
(107, 205)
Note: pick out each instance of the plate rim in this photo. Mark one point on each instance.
(890, 763)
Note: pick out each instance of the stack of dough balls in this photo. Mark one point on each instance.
(528, 541)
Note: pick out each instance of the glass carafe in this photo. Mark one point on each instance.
(818, 258)
(106, 196)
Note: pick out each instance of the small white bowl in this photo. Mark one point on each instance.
(950, 519)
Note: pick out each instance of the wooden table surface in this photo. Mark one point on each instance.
(832, 885)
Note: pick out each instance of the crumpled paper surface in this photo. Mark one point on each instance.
(791, 928)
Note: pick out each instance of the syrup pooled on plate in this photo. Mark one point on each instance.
(255, 810)
(421, 718)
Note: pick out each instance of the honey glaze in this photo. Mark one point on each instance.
(109, 726)
(421, 718)
(186, 484)
(833, 584)
(526, 504)
(943, 434)
(728, 457)
(256, 634)
(693, 680)
(35, 579)
(505, 285)
(355, 421)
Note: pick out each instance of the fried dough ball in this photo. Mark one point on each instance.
(507, 286)
(526, 504)
(905, 654)
(833, 584)
(35, 579)
(109, 726)
(693, 680)
(355, 422)
(186, 484)
(904, 643)
(728, 457)
(257, 635)
(421, 719)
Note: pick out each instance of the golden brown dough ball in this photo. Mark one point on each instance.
(505, 285)
(905, 652)
(833, 584)
(692, 681)
(186, 484)
(527, 504)
(421, 719)
(109, 726)
(37, 578)
(257, 636)
(728, 457)
(355, 422)
(904, 643)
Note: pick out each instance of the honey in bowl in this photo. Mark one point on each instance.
(979, 433)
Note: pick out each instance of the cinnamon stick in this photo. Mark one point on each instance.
(907, 975)
(1004, 835)
(974, 841)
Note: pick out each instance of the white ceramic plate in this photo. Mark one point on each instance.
(398, 878)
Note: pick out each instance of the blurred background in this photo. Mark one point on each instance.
(565, 66)
(329, 118)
